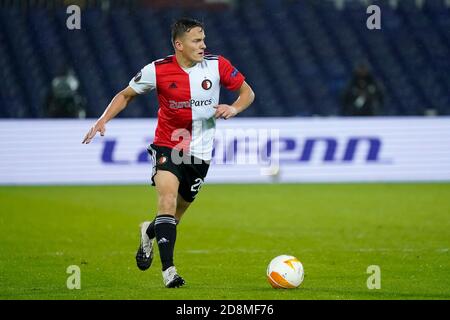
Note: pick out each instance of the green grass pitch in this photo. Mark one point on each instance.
(226, 240)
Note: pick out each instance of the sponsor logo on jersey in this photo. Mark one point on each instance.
(173, 85)
(206, 84)
(189, 104)
(234, 73)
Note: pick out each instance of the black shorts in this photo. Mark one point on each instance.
(189, 170)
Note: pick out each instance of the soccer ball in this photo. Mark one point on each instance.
(285, 272)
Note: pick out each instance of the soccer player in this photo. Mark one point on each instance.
(188, 86)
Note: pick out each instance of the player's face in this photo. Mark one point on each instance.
(193, 45)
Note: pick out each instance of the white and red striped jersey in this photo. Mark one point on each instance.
(187, 97)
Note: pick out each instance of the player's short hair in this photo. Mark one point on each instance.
(184, 25)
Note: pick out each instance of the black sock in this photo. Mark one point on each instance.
(151, 229)
(166, 234)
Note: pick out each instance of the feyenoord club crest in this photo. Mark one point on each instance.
(206, 84)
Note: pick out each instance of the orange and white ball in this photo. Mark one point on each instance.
(285, 272)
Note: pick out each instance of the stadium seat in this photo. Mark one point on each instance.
(297, 55)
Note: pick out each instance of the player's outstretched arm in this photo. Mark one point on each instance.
(245, 99)
(117, 104)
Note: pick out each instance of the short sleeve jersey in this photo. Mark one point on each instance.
(187, 97)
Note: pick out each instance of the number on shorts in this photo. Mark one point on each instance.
(197, 185)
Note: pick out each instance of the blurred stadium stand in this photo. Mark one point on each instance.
(297, 55)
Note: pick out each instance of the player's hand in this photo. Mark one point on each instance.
(99, 126)
(225, 111)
